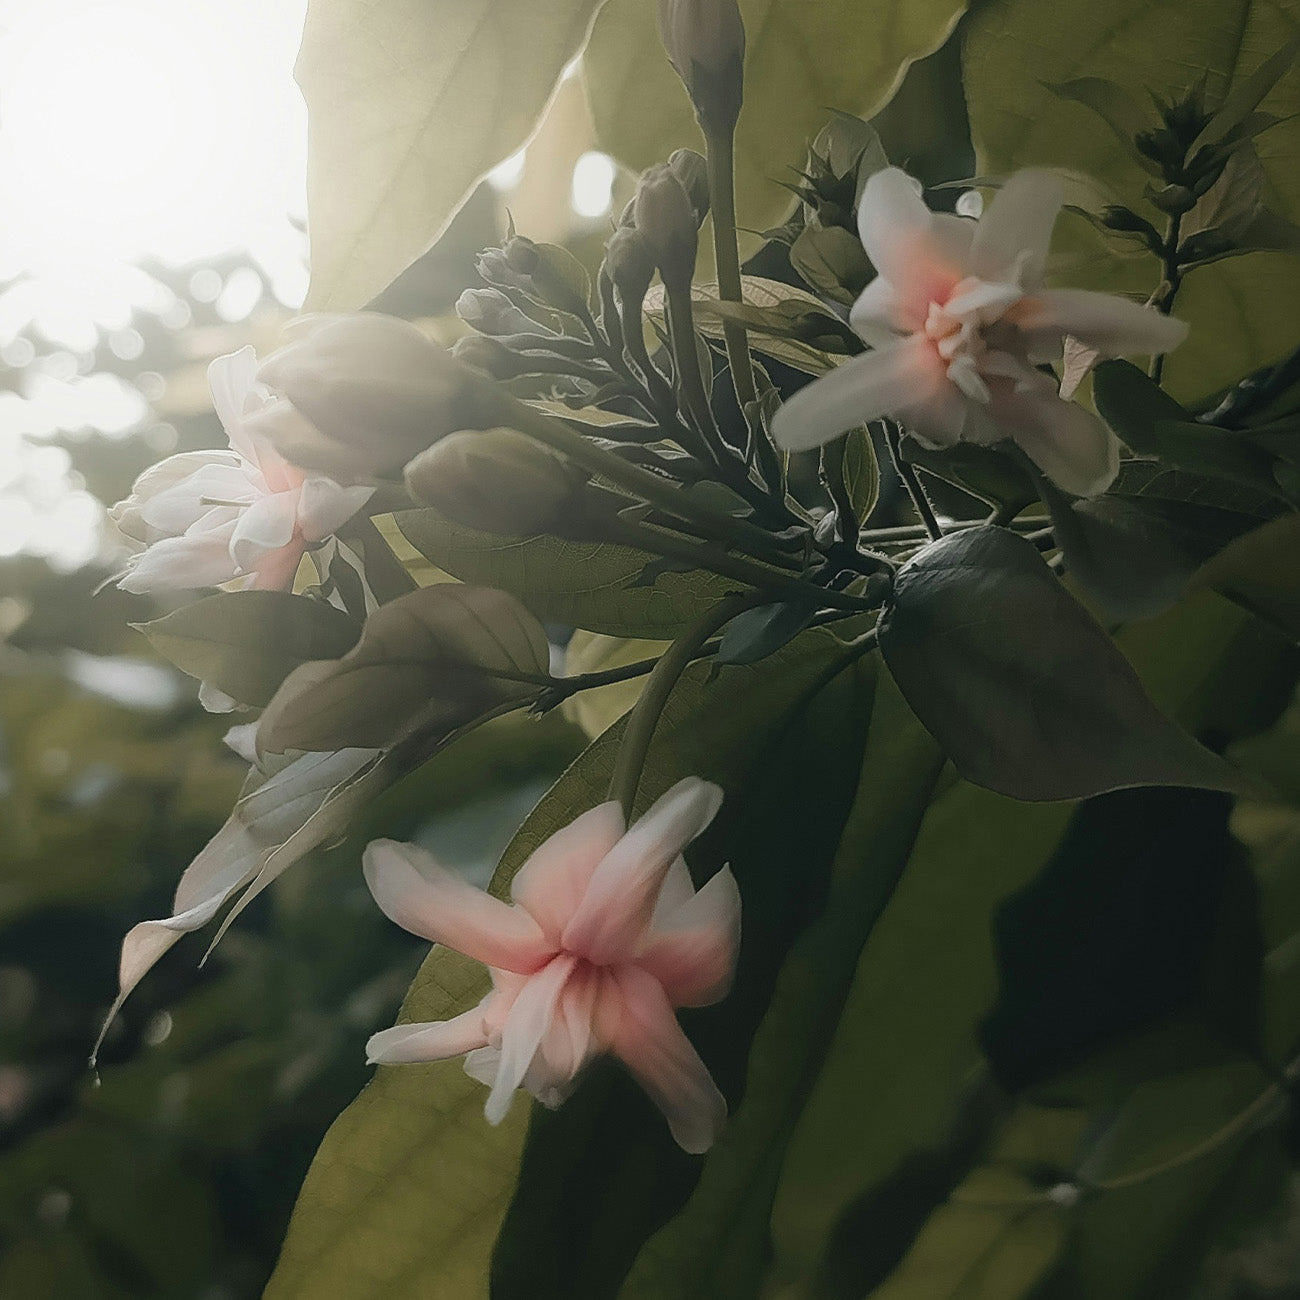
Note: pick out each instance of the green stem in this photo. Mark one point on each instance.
(1171, 282)
(720, 149)
(832, 466)
(907, 473)
(775, 583)
(644, 718)
(681, 330)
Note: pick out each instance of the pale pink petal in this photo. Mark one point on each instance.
(620, 898)
(434, 1041)
(529, 1019)
(570, 1040)
(1069, 444)
(199, 559)
(552, 881)
(412, 889)
(693, 953)
(880, 316)
(267, 525)
(677, 890)
(650, 1042)
(232, 380)
(944, 416)
(278, 570)
(1112, 325)
(862, 389)
(988, 299)
(1014, 234)
(324, 507)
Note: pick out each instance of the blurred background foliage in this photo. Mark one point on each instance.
(172, 1173)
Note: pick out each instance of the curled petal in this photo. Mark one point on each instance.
(435, 1041)
(615, 910)
(232, 380)
(324, 506)
(648, 1040)
(267, 525)
(884, 382)
(1112, 325)
(1014, 234)
(530, 1018)
(880, 316)
(551, 883)
(201, 558)
(278, 570)
(427, 899)
(693, 952)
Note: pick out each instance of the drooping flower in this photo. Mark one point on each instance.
(605, 936)
(958, 320)
(205, 518)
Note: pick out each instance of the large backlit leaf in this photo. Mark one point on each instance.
(1028, 695)
(410, 103)
(802, 60)
(594, 585)
(1242, 309)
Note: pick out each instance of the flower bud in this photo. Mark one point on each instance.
(705, 40)
(498, 480)
(692, 171)
(365, 393)
(487, 355)
(490, 312)
(631, 264)
(665, 218)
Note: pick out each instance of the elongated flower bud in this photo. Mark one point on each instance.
(705, 40)
(666, 219)
(497, 480)
(374, 390)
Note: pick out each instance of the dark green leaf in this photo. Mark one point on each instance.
(757, 633)
(982, 471)
(1027, 694)
(1261, 571)
(861, 473)
(247, 642)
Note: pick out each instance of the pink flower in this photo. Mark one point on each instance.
(605, 937)
(958, 319)
(204, 518)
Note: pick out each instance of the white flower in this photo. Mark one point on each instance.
(205, 518)
(958, 319)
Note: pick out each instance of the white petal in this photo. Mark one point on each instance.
(619, 902)
(1069, 444)
(1112, 325)
(529, 1019)
(551, 883)
(862, 389)
(215, 700)
(324, 507)
(179, 507)
(892, 221)
(179, 563)
(880, 315)
(435, 1041)
(1014, 234)
(267, 525)
(422, 896)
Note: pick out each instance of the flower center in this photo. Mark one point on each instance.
(969, 334)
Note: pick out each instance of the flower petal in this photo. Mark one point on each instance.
(693, 953)
(199, 559)
(892, 222)
(861, 389)
(324, 506)
(1113, 325)
(433, 1041)
(529, 1019)
(551, 883)
(413, 890)
(649, 1041)
(1014, 234)
(620, 898)
(880, 316)
(267, 525)
(1069, 444)
(232, 380)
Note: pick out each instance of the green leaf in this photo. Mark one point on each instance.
(410, 104)
(1027, 694)
(983, 472)
(247, 642)
(642, 112)
(592, 585)
(757, 633)
(1241, 309)
(1120, 110)
(861, 473)
(1247, 95)
(833, 261)
(711, 1249)
(1261, 572)
(410, 1184)
(438, 658)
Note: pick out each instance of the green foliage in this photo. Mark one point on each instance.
(1017, 52)
(454, 91)
(246, 643)
(1028, 695)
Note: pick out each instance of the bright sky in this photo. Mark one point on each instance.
(128, 128)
